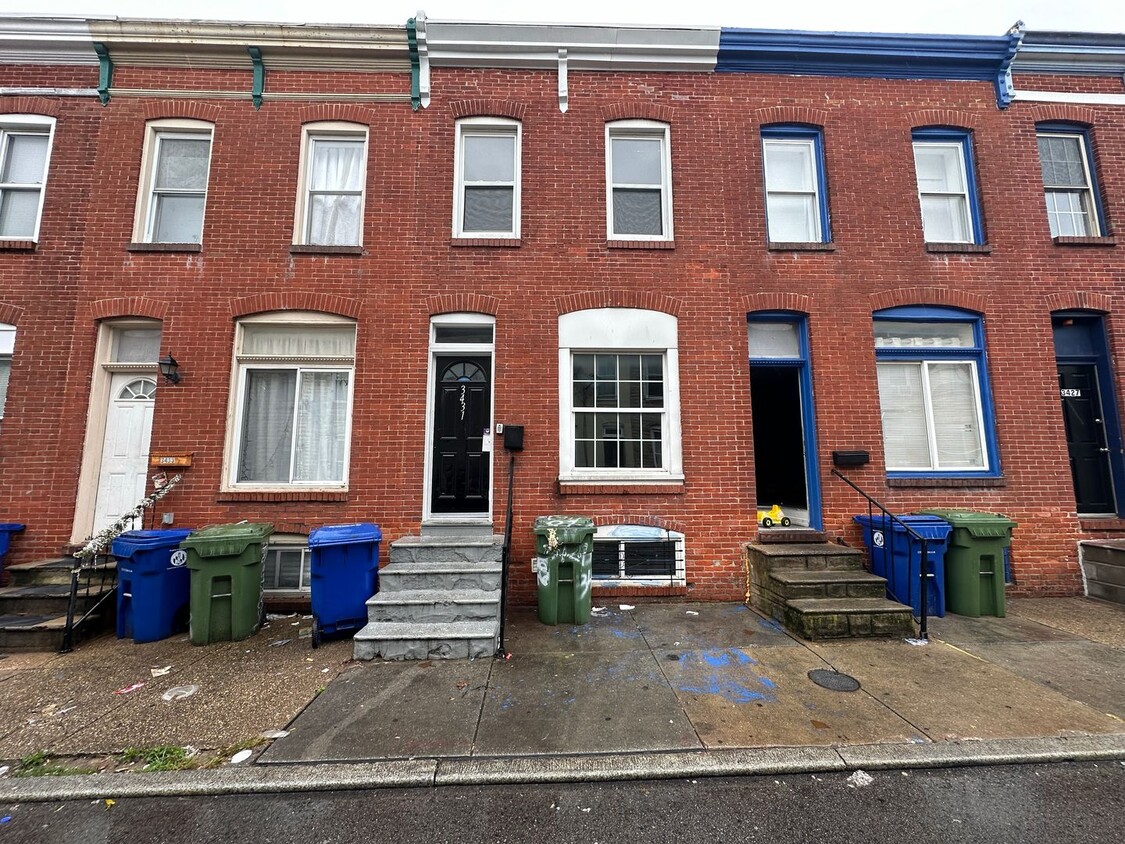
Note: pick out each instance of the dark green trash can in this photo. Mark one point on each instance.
(974, 561)
(226, 580)
(564, 565)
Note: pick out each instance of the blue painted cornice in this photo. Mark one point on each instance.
(886, 56)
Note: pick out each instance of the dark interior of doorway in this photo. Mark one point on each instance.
(779, 439)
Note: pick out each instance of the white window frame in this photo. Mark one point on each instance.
(1086, 192)
(287, 542)
(640, 130)
(620, 331)
(144, 216)
(965, 193)
(809, 144)
(7, 349)
(326, 130)
(241, 364)
(27, 124)
(621, 535)
(495, 127)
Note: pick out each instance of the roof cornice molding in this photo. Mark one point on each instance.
(1086, 53)
(29, 39)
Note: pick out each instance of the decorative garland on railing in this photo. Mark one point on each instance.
(101, 540)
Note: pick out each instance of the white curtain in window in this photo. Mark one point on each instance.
(953, 400)
(941, 185)
(322, 415)
(335, 184)
(5, 373)
(905, 442)
(24, 161)
(267, 426)
(180, 188)
(291, 341)
(791, 206)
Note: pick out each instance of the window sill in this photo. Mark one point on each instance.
(965, 248)
(946, 483)
(310, 249)
(624, 589)
(1094, 523)
(1108, 240)
(799, 246)
(640, 244)
(621, 488)
(18, 245)
(500, 242)
(164, 247)
(276, 496)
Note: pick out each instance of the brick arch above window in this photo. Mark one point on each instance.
(776, 301)
(488, 108)
(29, 105)
(640, 519)
(1062, 113)
(131, 306)
(638, 111)
(467, 303)
(902, 296)
(943, 117)
(644, 300)
(319, 302)
(346, 112)
(10, 314)
(1079, 300)
(791, 114)
(182, 110)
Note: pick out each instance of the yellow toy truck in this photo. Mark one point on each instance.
(773, 516)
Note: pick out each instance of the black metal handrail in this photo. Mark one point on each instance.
(100, 575)
(923, 567)
(505, 557)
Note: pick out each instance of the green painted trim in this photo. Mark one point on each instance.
(105, 72)
(259, 75)
(415, 66)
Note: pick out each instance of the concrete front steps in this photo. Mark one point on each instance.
(439, 598)
(34, 603)
(820, 590)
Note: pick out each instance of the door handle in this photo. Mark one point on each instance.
(1104, 450)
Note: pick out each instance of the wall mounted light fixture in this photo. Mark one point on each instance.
(169, 369)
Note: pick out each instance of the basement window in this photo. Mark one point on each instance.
(285, 566)
(638, 555)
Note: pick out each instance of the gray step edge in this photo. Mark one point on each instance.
(435, 630)
(437, 596)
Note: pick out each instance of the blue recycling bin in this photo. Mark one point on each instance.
(6, 531)
(897, 556)
(345, 572)
(153, 584)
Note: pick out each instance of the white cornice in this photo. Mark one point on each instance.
(26, 39)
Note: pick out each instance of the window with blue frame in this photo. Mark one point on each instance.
(796, 201)
(943, 163)
(1069, 181)
(934, 398)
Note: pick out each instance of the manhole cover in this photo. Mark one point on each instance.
(834, 680)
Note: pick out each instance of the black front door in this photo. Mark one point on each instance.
(1086, 438)
(462, 417)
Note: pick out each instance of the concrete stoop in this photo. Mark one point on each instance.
(820, 590)
(439, 598)
(34, 603)
(1103, 568)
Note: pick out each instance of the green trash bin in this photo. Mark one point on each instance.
(974, 561)
(564, 564)
(226, 580)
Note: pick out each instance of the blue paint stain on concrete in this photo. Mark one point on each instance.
(506, 703)
(716, 667)
(625, 634)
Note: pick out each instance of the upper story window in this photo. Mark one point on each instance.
(933, 392)
(796, 204)
(638, 180)
(1069, 186)
(175, 167)
(333, 176)
(25, 150)
(291, 405)
(943, 162)
(486, 196)
(7, 345)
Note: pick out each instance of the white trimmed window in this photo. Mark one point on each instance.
(333, 176)
(620, 400)
(793, 160)
(291, 407)
(286, 564)
(175, 168)
(638, 180)
(943, 164)
(639, 555)
(25, 151)
(1068, 184)
(486, 196)
(7, 346)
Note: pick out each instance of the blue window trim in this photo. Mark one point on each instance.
(808, 408)
(1078, 130)
(923, 313)
(802, 133)
(940, 134)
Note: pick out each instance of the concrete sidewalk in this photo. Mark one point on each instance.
(656, 690)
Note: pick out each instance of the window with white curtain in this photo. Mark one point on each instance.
(7, 345)
(943, 164)
(292, 415)
(796, 208)
(638, 180)
(25, 147)
(175, 168)
(1068, 181)
(933, 391)
(333, 177)
(486, 196)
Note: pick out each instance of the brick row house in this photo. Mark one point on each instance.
(692, 264)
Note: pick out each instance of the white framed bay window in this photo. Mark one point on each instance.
(291, 402)
(332, 178)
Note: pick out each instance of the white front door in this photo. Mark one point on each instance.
(128, 428)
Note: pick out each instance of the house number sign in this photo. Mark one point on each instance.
(1070, 393)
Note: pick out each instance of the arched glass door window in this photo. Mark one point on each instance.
(142, 389)
(464, 371)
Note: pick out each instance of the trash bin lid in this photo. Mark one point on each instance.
(130, 542)
(546, 523)
(928, 527)
(982, 525)
(11, 527)
(345, 534)
(226, 540)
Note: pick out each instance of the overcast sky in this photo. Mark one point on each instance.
(988, 17)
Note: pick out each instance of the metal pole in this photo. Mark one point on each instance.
(506, 557)
(924, 590)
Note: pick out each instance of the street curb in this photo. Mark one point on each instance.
(414, 773)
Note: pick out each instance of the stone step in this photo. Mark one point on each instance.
(434, 605)
(791, 536)
(841, 618)
(41, 572)
(399, 577)
(827, 583)
(446, 549)
(813, 555)
(31, 632)
(449, 640)
(50, 600)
